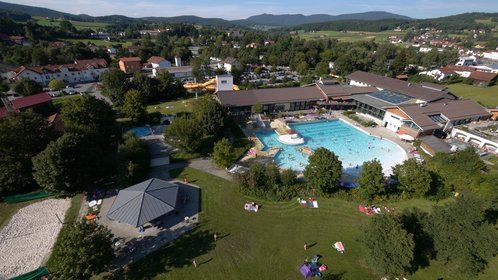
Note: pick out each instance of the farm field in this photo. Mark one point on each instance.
(487, 96)
(350, 36)
(77, 24)
(99, 42)
(269, 244)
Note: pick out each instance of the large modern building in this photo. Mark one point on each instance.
(276, 100)
(86, 70)
(403, 107)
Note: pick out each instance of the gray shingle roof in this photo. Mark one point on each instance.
(143, 202)
(452, 109)
(268, 96)
(412, 90)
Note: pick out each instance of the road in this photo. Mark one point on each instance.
(91, 88)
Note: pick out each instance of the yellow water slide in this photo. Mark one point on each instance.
(209, 85)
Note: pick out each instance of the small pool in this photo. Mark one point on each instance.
(352, 146)
(141, 131)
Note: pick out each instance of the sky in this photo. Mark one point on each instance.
(241, 9)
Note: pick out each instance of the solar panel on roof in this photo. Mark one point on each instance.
(390, 97)
(437, 118)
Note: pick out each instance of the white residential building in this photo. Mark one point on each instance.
(493, 55)
(86, 70)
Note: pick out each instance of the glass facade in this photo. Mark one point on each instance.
(370, 110)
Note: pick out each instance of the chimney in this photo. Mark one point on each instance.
(178, 61)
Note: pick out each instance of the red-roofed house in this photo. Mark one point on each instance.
(86, 70)
(40, 103)
(483, 78)
(158, 62)
(130, 64)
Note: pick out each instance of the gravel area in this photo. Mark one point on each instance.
(29, 236)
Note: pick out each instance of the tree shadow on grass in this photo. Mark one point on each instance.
(178, 253)
(334, 276)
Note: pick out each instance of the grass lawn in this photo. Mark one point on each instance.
(350, 36)
(488, 96)
(268, 244)
(172, 107)
(71, 217)
(77, 24)
(99, 42)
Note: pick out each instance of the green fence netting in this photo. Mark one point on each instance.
(26, 197)
(37, 273)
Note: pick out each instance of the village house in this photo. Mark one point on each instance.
(85, 70)
(130, 64)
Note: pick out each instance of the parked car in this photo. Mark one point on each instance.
(69, 91)
(54, 93)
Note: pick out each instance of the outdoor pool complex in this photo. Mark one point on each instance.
(351, 145)
(141, 131)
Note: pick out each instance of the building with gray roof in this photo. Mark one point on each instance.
(144, 202)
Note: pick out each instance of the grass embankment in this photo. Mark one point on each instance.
(487, 96)
(71, 217)
(350, 36)
(8, 210)
(269, 244)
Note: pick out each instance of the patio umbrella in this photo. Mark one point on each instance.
(144, 202)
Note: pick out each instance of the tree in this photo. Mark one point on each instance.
(462, 234)
(68, 165)
(22, 136)
(147, 86)
(26, 87)
(413, 178)
(211, 116)
(168, 86)
(257, 108)
(115, 84)
(223, 153)
(322, 68)
(323, 171)
(184, 133)
(461, 170)
(56, 84)
(388, 247)
(89, 116)
(133, 160)
(288, 177)
(133, 106)
(84, 249)
(371, 180)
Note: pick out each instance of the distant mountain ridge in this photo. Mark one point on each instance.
(287, 20)
(299, 19)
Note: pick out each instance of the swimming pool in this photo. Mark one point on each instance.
(141, 131)
(352, 146)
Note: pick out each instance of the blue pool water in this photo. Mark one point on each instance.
(352, 146)
(141, 131)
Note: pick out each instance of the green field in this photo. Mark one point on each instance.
(99, 42)
(488, 96)
(269, 244)
(77, 24)
(172, 107)
(350, 36)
